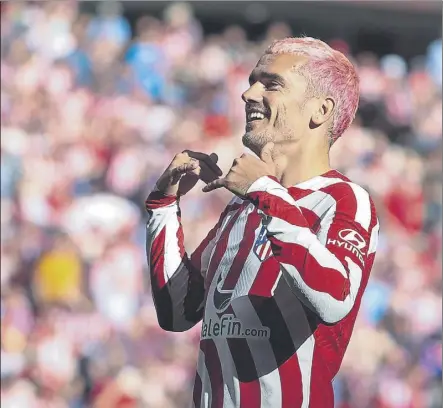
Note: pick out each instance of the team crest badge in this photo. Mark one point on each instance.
(262, 246)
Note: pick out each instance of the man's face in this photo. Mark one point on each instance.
(274, 102)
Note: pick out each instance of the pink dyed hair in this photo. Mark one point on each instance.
(329, 73)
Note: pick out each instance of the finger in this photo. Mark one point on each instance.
(266, 153)
(214, 185)
(209, 160)
(185, 168)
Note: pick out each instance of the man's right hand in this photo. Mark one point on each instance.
(185, 170)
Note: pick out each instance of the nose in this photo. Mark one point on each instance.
(253, 94)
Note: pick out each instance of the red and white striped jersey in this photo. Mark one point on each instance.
(278, 283)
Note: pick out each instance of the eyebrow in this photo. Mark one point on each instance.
(255, 76)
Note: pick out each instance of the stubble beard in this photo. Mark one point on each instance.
(256, 141)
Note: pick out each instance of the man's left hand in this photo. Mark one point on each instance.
(245, 171)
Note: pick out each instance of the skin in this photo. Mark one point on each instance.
(291, 143)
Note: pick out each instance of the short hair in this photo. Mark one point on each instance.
(329, 73)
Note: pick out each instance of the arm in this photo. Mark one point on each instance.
(177, 281)
(324, 270)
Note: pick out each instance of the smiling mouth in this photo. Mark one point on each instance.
(255, 116)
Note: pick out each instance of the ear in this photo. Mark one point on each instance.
(323, 112)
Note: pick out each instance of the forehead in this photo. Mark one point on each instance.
(281, 64)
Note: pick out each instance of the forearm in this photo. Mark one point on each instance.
(318, 278)
(324, 276)
(177, 286)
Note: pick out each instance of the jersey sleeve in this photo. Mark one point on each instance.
(177, 281)
(326, 270)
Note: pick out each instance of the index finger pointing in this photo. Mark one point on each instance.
(266, 153)
(214, 185)
(209, 160)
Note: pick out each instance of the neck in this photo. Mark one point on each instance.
(303, 162)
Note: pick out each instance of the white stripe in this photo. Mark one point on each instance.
(236, 200)
(206, 255)
(291, 234)
(225, 222)
(262, 184)
(276, 283)
(173, 266)
(262, 355)
(319, 182)
(250, 269)
(261, 350)
(294, 314)
(363, 213)
(165, 217)
(328, 308)
(278, 190)
(266, 249)
(305, 356)
(265, 184)
(374, 239)
(319, 202)
(231, 384)
(172, 257)
(233, 246)
(324, 206)
(316, 183)
(202, 371)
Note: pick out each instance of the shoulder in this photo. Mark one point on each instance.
(351, 199)
(234, 204)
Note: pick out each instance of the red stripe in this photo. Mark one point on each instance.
(246, 243)
(197, 393)
(277, 207)
(266, 278)
(374, 219)
(333, 341)
(250, 395)
(312, 219)
(299, 193)
(221, 247)
(321, 394)
(157, 200)
(344, 196)
(317, 277)
(157, 260)
(213, 365)
(290, 380)
(196, 257)
(180, 238)
(338, 190)
(335, 174)
(262, 250)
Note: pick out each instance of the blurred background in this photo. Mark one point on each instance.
(96, 99)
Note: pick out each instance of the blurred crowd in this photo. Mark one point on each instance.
(92, 111)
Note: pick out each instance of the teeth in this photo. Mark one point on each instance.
(256, 115)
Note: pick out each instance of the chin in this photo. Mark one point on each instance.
(251, 143)
(256, 141)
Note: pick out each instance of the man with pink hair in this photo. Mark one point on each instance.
(278, 281)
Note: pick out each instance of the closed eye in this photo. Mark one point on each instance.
(273, 86)
(271, 81)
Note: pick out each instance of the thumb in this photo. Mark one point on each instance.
(266, 153)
